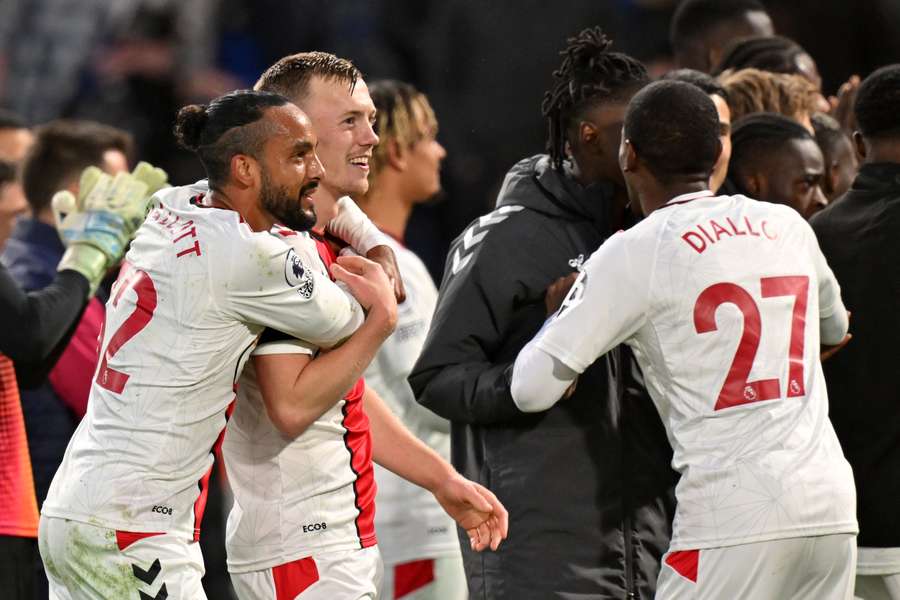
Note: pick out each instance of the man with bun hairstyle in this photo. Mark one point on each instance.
(203, 278)
(725, 301)
(605, 453)
(307, 422)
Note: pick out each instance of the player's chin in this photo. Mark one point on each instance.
(356, 184)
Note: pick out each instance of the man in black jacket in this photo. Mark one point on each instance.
(860, 236)
(590, 517)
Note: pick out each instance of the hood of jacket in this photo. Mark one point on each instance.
(534, 183)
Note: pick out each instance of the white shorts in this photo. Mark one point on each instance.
(429, 579)
(87, 562)
(348, 575)
(877, 587)
(806, 568)
(878, 574)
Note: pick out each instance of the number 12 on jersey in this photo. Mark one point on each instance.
(140, 282)
(737, 389)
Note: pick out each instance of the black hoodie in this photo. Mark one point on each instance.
(860, 236)
(587, 483)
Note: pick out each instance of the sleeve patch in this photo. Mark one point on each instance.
(297, 275)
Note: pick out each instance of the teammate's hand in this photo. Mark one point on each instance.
(369, 285)
(476, 509)
(384, 256)
(97, 225)
(558, 291)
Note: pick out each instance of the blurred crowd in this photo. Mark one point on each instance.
(99, 83)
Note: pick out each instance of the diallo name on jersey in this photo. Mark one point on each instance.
(702, 236)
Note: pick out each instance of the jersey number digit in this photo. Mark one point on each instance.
(737, 390)
(107, 377)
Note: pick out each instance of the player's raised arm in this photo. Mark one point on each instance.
(464, 370)
(96, 228)
(296, 388)
(277, 288)
(605, 306)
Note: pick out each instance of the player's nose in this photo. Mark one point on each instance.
(819, 202)
(369, 137)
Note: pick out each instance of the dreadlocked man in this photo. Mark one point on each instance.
(553, 210)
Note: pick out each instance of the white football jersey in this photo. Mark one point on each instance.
(303, 496)
(411, 524)
(197, 289)
(720, 299)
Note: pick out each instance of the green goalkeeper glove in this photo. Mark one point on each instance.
(97, 226)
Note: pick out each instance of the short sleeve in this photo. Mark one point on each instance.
(606, 305)
(268, 283)
(829, 289)
(273, 341)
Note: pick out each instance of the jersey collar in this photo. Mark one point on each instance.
(685, 198)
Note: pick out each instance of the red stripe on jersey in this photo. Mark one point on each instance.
(685, 563)
(359, 443)
(127, 538)
(412, 576)
(200, 502)
(357, 439)
(293, 578)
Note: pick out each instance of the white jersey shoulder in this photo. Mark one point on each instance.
(197, 288)
(720, 299)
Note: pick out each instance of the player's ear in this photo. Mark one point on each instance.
(589, 136)
(396, 155)
(860, 144)
(244, 170)
(628, 158)
(754, 184)
(830, 181)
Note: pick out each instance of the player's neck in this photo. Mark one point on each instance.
(324, 200)
(658, 195)
(887, 151)
(387, 207)
(249, 209)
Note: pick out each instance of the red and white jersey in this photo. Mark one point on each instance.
(411, 524)
(303, 496)
(721, 298)
(197, 290)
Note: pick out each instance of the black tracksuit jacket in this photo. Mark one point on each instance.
(860, 237)
(587, 483)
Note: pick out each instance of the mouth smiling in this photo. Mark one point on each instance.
(361, 162)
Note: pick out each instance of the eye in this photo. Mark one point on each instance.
(350, 121)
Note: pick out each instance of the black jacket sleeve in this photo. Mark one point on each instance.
(485, 313)
(33, 325)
